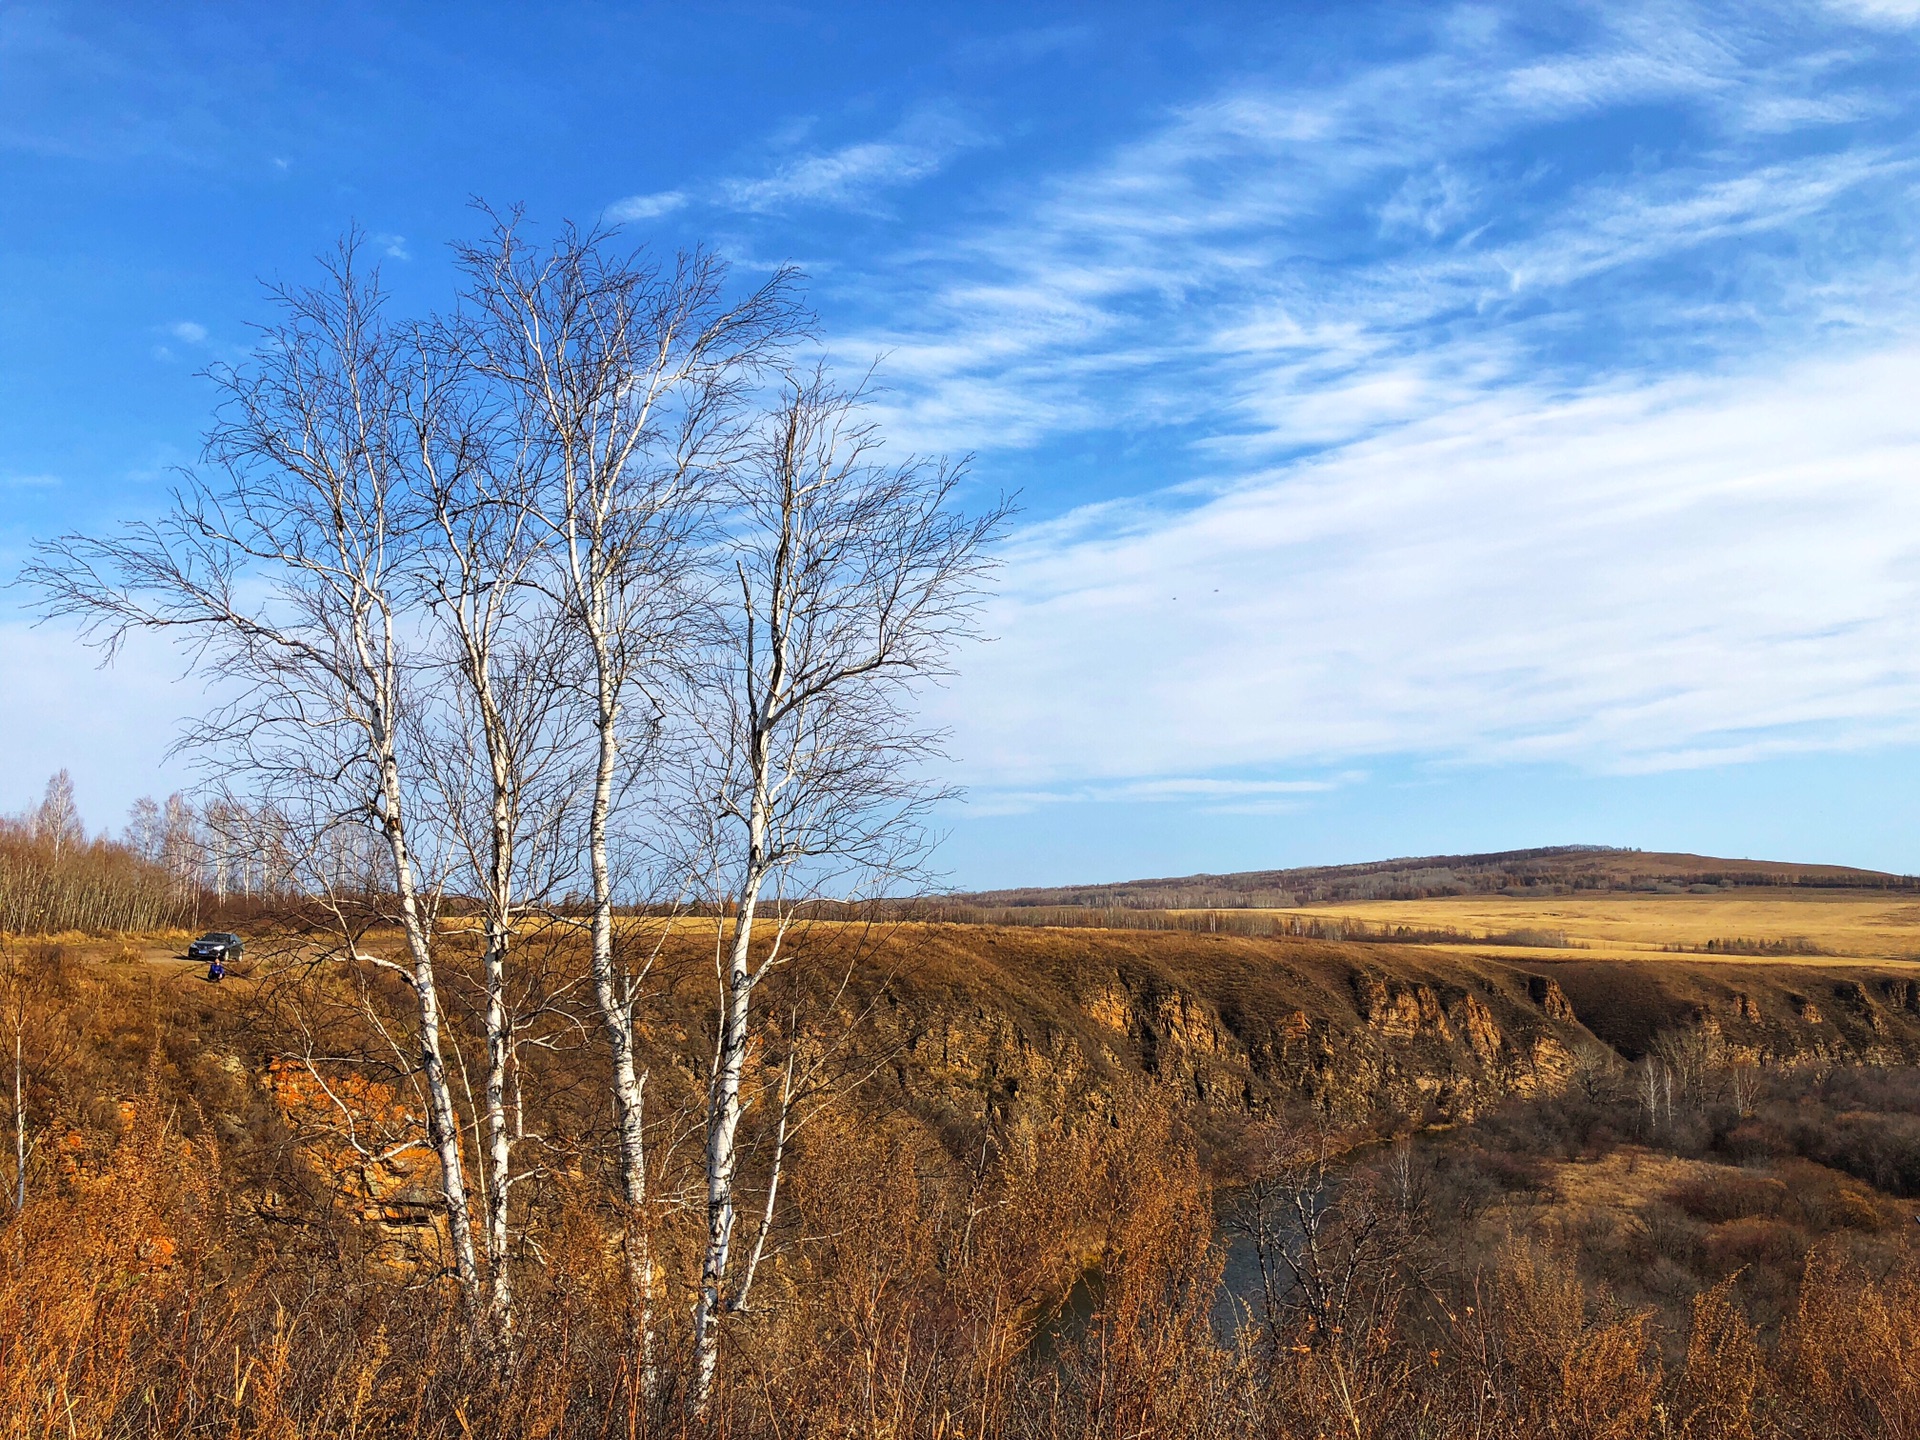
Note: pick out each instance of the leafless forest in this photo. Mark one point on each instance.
(586, 1078)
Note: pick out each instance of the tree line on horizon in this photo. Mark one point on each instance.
(170, 861)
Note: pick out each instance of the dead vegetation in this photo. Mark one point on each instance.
(202, 1251)
(1257, 923)
(85, 885)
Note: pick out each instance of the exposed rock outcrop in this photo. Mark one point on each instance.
(1547, 994)
(1030, 1023)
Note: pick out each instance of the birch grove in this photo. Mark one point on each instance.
(576, 602)
(624, 382)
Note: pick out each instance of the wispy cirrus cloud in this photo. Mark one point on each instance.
(1483, 432)
(850, 175)
(1211, 793)
(1880, 12)
(1214, 264)
(854, 176)
(1642, 578)
(188, 334)
(637, 208)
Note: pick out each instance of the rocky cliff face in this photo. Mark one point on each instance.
(1021, 1023)
(959, 1025)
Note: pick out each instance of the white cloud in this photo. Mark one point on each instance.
(1224, 795)
(111, 726)
(1647, 577)
(1183, 787)
(189, 331)
(849, 177)
(1024, 47)
(1434, 203)
(1609, 463)
(842, 177)
(645, 207)
(1879, 12)
(1203, 274)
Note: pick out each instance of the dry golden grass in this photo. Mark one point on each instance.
(1846, 925)
(195, 1260)
(1625, 1181)
(1841, 926)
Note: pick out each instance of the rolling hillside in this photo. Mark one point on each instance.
(1552, 870)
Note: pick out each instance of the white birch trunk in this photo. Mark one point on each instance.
(722, 1156)
(777, 1168)
(615, 1002)
(442, 1118)
(499, 1021)
(19, 1119)
(499, 1136)
(474, 624)
(724, 1106)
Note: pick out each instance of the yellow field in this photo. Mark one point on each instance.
(1845, 924)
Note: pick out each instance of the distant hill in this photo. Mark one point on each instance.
(1551, 870)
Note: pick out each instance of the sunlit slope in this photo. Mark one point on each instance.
(1808, 924)
(1586, 899)
(1554, 869)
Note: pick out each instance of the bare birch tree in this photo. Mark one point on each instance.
(285, 567)
(182, 846)
(498, 753)
(143, 834)
(625, 378)
(56, 820)
(850, 582)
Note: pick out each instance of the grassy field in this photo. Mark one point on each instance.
(1806, 925)
(1840, 925)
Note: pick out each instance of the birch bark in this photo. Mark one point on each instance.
(475, 580)
(443, 1120)
(723, 1130)
(19, 1108)
(613, 997)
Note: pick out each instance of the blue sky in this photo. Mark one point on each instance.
(1438, 427)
